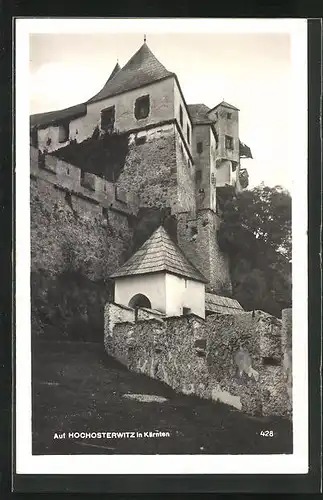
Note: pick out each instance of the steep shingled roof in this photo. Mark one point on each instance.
(225, 105)
(159, 253)
(141, 69)
(224, 305)
(51, 117)
(114, 71)
(199, 113)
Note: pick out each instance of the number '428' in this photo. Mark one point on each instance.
(267, 433)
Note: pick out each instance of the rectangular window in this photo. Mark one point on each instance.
(228, 142)
(229, 116)
(181, 115)
(271, 361)
(108, 119)
(198, 175)
(142, 107)
(64, 132)
(188, 134)
(199, 147)
(234, 166)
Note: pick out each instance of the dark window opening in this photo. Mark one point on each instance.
(199, 147)
(229, 116)
(200, 343)
(64, 132)
(41, 159)
(270, 361)
(108, 119)
(141, 140)
(198, 175)
(181, 115)
(186, 310)
(228, 142)
(139, 300)
(142, 106)
(86, 181)
(34, 137)
(188, 134)
(234, 166)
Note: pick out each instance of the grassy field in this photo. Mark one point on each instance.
(78, 388)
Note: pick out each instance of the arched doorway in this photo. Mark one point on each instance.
(139, 300)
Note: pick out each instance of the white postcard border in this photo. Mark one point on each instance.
(296, 463)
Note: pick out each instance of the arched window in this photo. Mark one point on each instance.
(139, 300)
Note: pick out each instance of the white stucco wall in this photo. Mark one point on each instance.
(227, 126)
(167, 293)
(186, 120)
(153, 286)
(161, 108)
(184, 293)
(224, 174)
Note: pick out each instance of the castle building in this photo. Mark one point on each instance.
(179, 154)
(159, 276)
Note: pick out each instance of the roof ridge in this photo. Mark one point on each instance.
(143, 68)
(159, 253)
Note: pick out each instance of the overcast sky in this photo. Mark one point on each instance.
(251, 71)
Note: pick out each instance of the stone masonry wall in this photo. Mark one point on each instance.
(220, 358)
(287, 320)
(76, 243)
(186, 200)
(154, 171)
(150, 167)
(197, 236)
(93, 189)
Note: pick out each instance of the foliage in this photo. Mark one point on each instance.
(103, 154)
(256, 233)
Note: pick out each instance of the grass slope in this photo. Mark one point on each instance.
(78, 388)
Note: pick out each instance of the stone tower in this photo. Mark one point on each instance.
(226, 122)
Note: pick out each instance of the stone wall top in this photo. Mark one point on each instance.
(86, 185)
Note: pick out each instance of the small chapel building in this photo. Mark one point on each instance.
(160, 277)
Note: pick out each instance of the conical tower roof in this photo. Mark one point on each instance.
(159, 253)
(114, 71)
(141, 69)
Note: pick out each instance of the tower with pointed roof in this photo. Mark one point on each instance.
(178, 155)
(159, 276)
(144, 100)
(226, 119)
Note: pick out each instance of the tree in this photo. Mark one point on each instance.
(256, 233)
